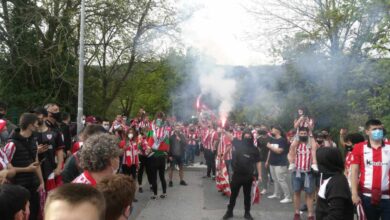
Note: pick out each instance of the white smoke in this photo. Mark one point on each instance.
(219, 86)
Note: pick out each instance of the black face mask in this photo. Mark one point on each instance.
(320, 142)
(2, 115)
(303, 138)
(40, 122)
(248, 141)
(57, 116)
(349, 147)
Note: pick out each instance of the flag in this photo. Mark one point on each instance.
(360, 212)
(222, 178)
(255, 192)
(158, 139)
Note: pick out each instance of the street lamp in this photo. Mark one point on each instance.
(81, 69)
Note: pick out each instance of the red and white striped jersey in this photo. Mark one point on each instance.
(130, 156)
(211, 138)
(85, 178)
(225, 143)
(192, 137)
(303, 158)
(374, 166)
(9, 149)
(3, 160)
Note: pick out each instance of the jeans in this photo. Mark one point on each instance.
(190, 154)
(382, 211)
(264, 176)
(281, 180)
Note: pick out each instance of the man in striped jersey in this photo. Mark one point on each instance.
(302, 178)
(371, 173)
(210, 141)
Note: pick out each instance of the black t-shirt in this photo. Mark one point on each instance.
(245, 159)
(337, 203)
(71, 169)
(279, 159)
(262, 146)
(54, 141)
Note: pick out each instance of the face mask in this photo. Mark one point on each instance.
(320, 142)
(56, 116)
(159, 122)
(83, 121)
(348, 147)
(248, 141)
(303, 138)
(262, 132)
(2, 115)
(130, 136)
(40, 122)
(106, 127)
(377, 134)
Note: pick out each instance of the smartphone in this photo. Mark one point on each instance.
(41, 161)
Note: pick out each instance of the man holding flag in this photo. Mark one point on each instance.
(158, 146)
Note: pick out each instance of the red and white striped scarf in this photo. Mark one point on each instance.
(222, 178)
(223, 145)
(130, 156)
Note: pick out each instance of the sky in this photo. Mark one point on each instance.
(225, 31)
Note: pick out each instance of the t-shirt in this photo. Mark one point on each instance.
(3, 160)
(279, 159)
(374, 167)
(71, 169)
(334, 199)
(245, 159)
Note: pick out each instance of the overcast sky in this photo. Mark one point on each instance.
(224, 30)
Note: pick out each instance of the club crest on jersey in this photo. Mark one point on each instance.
(49, 136)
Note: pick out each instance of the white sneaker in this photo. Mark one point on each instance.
(273, 196)
(291, 167)
(314, 167)
(263, 192)
(286, 200)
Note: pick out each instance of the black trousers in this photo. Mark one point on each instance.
(130, 171)
(237, 181)
(209, 156)
(34, 203)
(157, 166)
(143, 167)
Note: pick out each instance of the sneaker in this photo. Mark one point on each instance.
(207, 176)
(140, 190)
(297, 216)
(183, 183)
(135, 200)
(310, 218)
(248, 216)
(163, 196)
(286, 200)
(154, 197)
(273, 196)
(291, 167)
(263, 192)
(170, 184)
(213, 177)
(228, 215)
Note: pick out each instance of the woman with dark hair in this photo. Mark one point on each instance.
(334, 195)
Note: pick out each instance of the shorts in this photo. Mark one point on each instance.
(176, 160)
(298, 183)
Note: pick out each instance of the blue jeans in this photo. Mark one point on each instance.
(381, 211)
(190, 154)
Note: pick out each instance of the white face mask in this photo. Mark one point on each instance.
(106, 127)
(130, 136)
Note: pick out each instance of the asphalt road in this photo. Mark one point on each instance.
(201, 201)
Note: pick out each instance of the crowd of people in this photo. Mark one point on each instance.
(48, 170)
